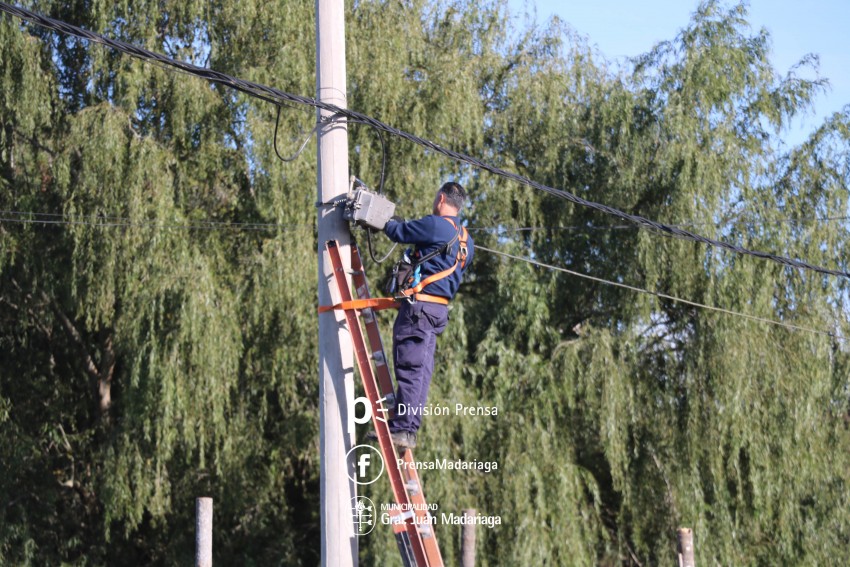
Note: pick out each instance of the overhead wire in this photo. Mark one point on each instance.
(120, 222)
(661, 295)
(28, 217)
(317, 127)
(383, 152)
(581, 228)
(277, 96)
(369, 244)
(263, 226)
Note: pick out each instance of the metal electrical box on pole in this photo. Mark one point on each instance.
(336, 366)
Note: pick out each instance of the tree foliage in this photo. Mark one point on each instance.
(151, 356)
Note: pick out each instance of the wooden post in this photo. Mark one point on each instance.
(686, 547)
(467, 540)
(203, 532)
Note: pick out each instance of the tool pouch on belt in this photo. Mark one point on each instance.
(401, 275)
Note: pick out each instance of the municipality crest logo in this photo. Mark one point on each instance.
(363, 513)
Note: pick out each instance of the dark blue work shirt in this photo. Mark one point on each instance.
(428, 234)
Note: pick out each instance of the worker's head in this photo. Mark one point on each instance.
(450, 199)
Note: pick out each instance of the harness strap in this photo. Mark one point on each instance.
(463, 236)
(431, 298)
(430, 279)
(375, 303)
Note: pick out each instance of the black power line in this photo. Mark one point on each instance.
(660, 295)
(586, 228)
(276, 96)
(101, 221)
(38, 218)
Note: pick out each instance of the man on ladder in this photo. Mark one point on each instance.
(426, 279)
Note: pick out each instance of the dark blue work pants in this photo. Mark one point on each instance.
(414, 342)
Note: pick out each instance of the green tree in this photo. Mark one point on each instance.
(159, 344)
(633, 415)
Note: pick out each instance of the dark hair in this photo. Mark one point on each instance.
(455, 195)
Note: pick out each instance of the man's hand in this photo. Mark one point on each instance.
(396, 218)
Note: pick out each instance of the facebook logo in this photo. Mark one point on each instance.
(362, 464)
(365, 464)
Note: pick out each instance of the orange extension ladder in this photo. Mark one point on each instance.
(412, 522)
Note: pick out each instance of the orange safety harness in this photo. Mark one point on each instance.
(460, 260)
(413, 293)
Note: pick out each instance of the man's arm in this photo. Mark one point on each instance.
(420, 232)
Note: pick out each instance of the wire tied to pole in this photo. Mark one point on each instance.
(301, 148)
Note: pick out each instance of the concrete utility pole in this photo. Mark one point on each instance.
(336, 359)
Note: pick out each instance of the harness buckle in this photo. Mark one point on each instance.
(409, 298)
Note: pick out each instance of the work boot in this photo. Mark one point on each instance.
(410, 439)
(401, 439)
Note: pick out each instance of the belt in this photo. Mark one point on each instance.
(430, 298)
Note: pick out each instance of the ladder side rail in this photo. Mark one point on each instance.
(381, 426)
(361, 287)
(420, 507)
(402, 539)
(412, 482)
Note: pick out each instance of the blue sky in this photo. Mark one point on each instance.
(625, 29)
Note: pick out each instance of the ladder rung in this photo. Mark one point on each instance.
(402, 517)
(390, 401)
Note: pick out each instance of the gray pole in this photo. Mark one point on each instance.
(467, 540)
(203, 532)
(685, 537)
(336, 358)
